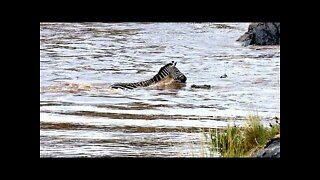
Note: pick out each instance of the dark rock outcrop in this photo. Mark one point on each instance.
(271, 150)
(261, 34)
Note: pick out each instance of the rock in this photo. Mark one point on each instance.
(201, 86)
(271, 150)
(261, 34)
(246, 39)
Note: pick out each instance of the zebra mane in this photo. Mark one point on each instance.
(165, 66)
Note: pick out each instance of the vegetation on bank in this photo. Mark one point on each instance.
(243, 141)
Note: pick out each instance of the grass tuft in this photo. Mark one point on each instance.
(237, 141)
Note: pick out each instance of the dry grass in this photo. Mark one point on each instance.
(241, 141)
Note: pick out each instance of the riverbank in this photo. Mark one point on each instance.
(251, 140)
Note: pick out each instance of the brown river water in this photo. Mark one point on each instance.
(80, 116)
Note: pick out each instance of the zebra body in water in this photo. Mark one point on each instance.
(167, 75)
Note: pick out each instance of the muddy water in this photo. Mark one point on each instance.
(81, 117)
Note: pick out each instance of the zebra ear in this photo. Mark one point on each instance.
(174, 64)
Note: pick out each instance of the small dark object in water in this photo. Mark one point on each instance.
(201, 86)
(223, 76)
(277, 120)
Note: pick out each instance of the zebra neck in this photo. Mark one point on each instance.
(157, 78)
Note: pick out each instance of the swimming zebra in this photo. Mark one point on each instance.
(167, 75)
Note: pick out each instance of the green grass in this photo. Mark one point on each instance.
(237, 141)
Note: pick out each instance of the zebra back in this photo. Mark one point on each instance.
(165, 71)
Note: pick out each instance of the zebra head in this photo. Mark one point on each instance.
(171, 70)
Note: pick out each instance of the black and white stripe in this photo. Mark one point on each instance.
(167, 70)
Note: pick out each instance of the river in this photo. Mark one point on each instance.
(81, 117)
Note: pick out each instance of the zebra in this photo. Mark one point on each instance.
(168, 74)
